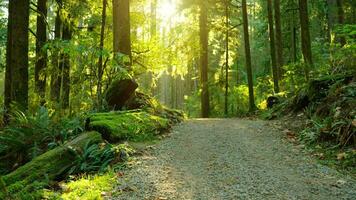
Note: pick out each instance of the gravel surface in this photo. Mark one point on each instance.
(230, 159)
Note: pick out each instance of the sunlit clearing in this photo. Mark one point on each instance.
(167, 9)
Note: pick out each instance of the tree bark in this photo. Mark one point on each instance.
(204, 35)
(121, 22)
(279, 37)
(56, 74)
(65, 81)
(41, 54)
(227, 57)
(305, 36)
(341, 19)
(16, 76)
(100, 63)
(272, 46)
(248, 56)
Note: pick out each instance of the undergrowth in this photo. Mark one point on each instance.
(30, 135)
(329, 106)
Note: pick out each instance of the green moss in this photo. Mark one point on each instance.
(134, 126)
(87, 187)
(46, 167)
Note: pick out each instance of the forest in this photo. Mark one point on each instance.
(146, 99)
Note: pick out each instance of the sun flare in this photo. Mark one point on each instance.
(167, 9)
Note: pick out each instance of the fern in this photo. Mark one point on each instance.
(93, 158)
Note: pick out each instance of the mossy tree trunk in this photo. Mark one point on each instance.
(65, 81)
(56, 74)
(41, 54)
(305, 36)
(16, 76)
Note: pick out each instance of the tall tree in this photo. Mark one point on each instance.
(305, 36)
(153, 18)
(227, 3)
(272, 46)
(101, 47)
(121, 22)
(41, 54)
(279, 37)
(341, 19)
(336, 16)
(204, 35)
(248, 56)
(16, 76)
(56, 74)
(65, 80)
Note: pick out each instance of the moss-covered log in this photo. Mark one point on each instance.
(48, 166)
(129, 125)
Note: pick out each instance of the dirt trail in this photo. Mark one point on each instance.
(231, 159)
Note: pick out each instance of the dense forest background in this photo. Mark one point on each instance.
(166, 56)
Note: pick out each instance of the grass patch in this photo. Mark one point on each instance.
(89, 187)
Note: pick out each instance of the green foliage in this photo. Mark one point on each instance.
(30, 135)
(93, 158)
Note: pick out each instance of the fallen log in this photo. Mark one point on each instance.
(49, 166)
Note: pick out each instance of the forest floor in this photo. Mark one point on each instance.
(230, 159)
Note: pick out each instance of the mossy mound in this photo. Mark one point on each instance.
(139, 101)
(119, 92)
(174, 116)
(132, 125)
(45, 168)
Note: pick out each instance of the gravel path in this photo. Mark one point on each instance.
(230, 159)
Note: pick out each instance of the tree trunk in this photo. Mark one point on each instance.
(305, 36)
(65, 81)
(16, 76)
(272, 46)
(248, 56)
(41, 54)
(293, 30)
(279, 37)
(121, 22)
(204, 34)
(341, 19)
(56, 74)
(100, 63)
(330, 4)
(227, 57)
(153, 18)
